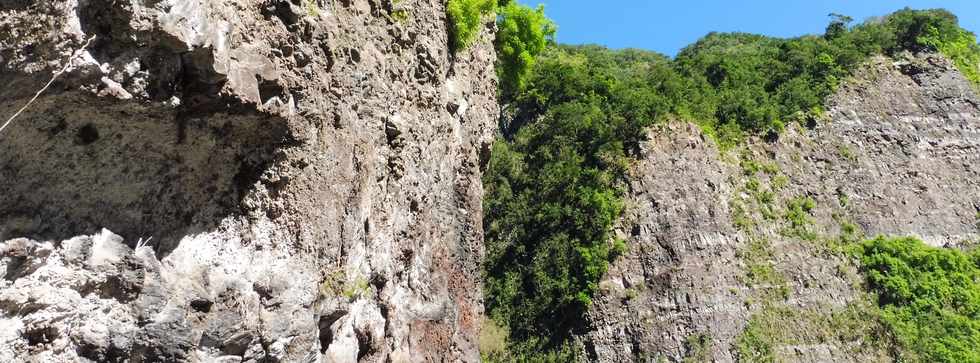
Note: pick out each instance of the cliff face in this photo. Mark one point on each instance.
(730, 251)
(283, 181)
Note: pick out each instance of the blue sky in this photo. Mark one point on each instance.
(666, 26)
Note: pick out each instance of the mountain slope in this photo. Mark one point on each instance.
(737, 255)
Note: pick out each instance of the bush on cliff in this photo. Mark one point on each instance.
(523, 33)
(465, 18)
(929, 297)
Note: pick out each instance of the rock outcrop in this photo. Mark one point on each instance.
(740, 248)
(278, 181)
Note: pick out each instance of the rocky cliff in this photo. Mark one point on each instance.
(739, 251)
(241, 181)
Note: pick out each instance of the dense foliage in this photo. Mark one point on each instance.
(573, 121)
(523, 34)
(552, 192)
(930, 297)
(757, 84)
(465, 19)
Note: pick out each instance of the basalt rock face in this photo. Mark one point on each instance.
(726, 256)
(241, 181)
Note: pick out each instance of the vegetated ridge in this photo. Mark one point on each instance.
(557, 184)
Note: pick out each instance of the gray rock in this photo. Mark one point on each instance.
(285, 178)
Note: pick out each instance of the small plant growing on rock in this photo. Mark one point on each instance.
(356, 289)
(630, 294)
(698, 347)
(333, 285)
(760, 270)
(312, 9)
(846, 153)
(798, 215)
(740, 216)
(400, 15)
(770, 168)
(779, 182)
(752, 184)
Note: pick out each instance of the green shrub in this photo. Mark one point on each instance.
(523, 34)
(798, 215)
(956, 43)
(929, 297)
(553, 187)
(758, 340)
(759, 268)
(465, 19)
(697, 348)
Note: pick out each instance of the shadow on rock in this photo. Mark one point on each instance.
(78, 163)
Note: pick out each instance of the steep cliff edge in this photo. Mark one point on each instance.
(289, 181)
(736, 255)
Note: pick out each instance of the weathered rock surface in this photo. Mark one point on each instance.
(713, 255)
(289, 181)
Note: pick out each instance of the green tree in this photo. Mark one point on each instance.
(838, 25)
(523, 34)
(465, 19)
